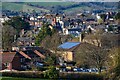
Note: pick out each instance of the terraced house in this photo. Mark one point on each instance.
(21, 60)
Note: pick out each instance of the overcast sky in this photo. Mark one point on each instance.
(59, 0)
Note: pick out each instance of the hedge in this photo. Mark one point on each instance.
(25, 74)
(62, 75)
(81, 76)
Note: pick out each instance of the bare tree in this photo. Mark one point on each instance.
(52, 43)
(114, 64)
(97, 57)
(8, 33)
(91, 55)
(95, 51)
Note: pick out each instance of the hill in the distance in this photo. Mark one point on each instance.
(56, 6)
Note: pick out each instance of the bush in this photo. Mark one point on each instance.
(42, 68)
(51, 73)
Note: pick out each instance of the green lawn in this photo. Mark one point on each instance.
(13, 78)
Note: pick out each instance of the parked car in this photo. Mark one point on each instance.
(86, 70)
(93, 70)
(62, 70)
(78, 70)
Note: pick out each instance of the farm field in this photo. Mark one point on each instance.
(20, 7)
(45, 4)
(48, 6)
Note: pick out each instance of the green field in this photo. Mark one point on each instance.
(13, 78)
(47, 6)
(20, 7)
(50, 3)
(25, 7)
(81, 8)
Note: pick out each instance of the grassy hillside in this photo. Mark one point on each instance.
(20, 7)
(80, 8)
(25, 6)
(45, 4)
(48, 6)
(11, 6)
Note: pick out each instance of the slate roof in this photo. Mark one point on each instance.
(25, 55)
(90, 20)
(39, 54)
(75, 29)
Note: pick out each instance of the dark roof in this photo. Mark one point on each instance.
(78, 20)
(24, 39)
(75, 29)
(90, 19)
(39, 54)
(68, 45)
(25, 55)
(58, 26)
(32, 48)
(30, 54)
(8, 57)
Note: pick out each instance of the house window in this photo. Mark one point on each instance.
(21, 66)
(22, 60)
(6, 64)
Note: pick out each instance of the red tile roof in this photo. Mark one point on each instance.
(7, 57)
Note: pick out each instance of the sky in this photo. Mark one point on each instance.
(59, 0)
